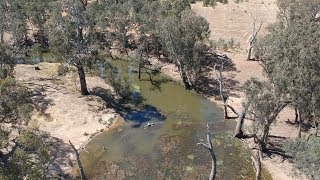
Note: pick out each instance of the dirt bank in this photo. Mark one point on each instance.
(62, 112)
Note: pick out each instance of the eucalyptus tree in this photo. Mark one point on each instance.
(117, 18)
(265, 105)
(149, 31)
(73, 34)
(290, 55)
(37, 14)
(185, 38)
(16, 15)
(306, 155)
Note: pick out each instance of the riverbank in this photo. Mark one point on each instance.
(232, 21)
(63, 113)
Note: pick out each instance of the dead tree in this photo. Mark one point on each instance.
(253, 36)
(257, 163)
(209, 146)
(223, 95)
(239, 133)
(82, 174)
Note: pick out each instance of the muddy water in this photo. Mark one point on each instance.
(167, 150)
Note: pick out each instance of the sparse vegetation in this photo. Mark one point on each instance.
(62, 70)
(90, 34)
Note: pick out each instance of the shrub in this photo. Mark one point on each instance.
(306, 155)
(120, 84)
(231, 43)
(62, 70)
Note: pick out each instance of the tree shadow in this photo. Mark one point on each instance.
(137, 114)
(60, 157)
(207, 84)
(39, 98)
(275, 144)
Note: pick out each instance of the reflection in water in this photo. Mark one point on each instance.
(168, 149)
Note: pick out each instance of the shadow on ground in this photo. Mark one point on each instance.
(207, 83)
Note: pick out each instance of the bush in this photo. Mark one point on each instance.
(62, 70)
(120, 84)
(306, 155)
(231, 43)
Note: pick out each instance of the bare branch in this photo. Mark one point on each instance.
(82, 174)
(209, 146)
(203, 144)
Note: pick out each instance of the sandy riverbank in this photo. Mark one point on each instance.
(63, 113)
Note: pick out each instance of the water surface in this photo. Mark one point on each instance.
(167, 150)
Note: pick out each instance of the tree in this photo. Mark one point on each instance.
(37, 14)
(306, 155)
(184, 39)
(24, 156)
(70, 33)
(3, 11)
(265, 105)
(290, 56)
(18, 23)
(253, 37)
(209, 146)
(7, 62)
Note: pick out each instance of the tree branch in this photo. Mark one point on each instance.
(209, 146)
(82, 174)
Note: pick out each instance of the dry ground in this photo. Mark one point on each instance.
(62, 112)
(233, 21)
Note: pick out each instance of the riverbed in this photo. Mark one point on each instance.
(158, 139)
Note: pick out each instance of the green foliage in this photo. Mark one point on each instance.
(120, 84)
(29, 155)
(224, 45)
(231, 44)
(306, 155)
(7, 63)
(290, 55)
(29, 158)
(62, 70)
(213, 3)
(15, 105)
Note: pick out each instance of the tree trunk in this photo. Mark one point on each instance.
(257, 164)
(1, 35)
(249, 51)
(300, 126)
(185, 80)
(213, 165)
(139, 71)
(82, 77)
(209, 146)
(225, 109)
(264, 137)
(296, 115)
(239, 133)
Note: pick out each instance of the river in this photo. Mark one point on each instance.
(167, 150)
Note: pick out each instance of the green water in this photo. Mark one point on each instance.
(169, 149)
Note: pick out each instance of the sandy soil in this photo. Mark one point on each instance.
(62, 112)
(233, 21)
